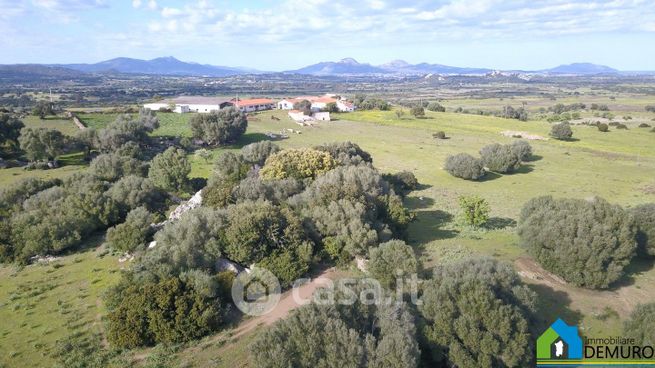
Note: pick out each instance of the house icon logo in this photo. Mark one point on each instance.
(559, 342)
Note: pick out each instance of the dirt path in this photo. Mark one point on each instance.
(287, 303)
(622, 299)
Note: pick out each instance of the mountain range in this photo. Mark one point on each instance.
(171, 66)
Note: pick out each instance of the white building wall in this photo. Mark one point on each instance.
(155, 106)
(285, 105)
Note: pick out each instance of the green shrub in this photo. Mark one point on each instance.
(522, 149)
(346, 153)
(391, 261)
(561, 131)
(417, 111)
(500, 158)
(465, 166)
(439, 135)
(170, 170)
(563, 234)
(644, 216)
(133, 233)
(402, 182)
(603, 127)
(475, 210)
(219, 127)
(144, 313)
(435, 106)
(299, 163)
(465, 305)
(644, 125)
(641, 325)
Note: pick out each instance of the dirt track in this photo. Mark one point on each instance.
(622, 299)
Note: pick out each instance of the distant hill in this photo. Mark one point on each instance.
(581, 69)
(159, 66)
(342, 67)
(403, 67)
(30, 73)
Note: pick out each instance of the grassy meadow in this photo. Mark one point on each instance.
(618, 165)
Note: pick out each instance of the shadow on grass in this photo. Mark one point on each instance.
(524, 169)
(415, 203)
(534, 158)
(553, 304)
(640, 265)
(497, 223)
(428, 227)
(488, 176)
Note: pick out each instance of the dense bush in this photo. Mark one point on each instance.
(219, 127)
(417, 111)
(112, 166)
(357, 335)
(465, 166)
(439, 135)
(475, 210)
(522, 149)
(346, 153)
(195, 241)
(10, 128)
(352, 208)
(261, 231)
(641, 325)
(299, 163)
(435, 106)
(603, 127)
(126, 129)
(644, 125)
(644, 216)
(41, 143)
(144, 313)
(588, 243)
(257, 153)
(58, 219)
(133, 233)
(391, 261)
(500, 158)
(650, 108)
(561, 131)
(274, 191)
(133, 191)
(170, 170)
(402, 182)
(477, 314)
(12, 197)
(231, 167)
(511, 113)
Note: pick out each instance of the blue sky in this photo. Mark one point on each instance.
(287, 34)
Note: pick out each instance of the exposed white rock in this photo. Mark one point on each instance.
(362, 264)
(192, 203)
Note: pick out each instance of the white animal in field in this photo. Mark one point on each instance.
(559, 348)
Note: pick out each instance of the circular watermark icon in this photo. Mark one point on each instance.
(257, 292)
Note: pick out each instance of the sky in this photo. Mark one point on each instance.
(277, 35)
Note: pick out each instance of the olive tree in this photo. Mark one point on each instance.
(41, 143)
(170, 170)
(465, 166)
(391, 261)
(641, 325)
(644, 216)
(346, 153)
(477, 314)
(522, 149)
(10, 128)
(219, 127)
(561, 131)
(297, 163)
(133, 233)
(500, 158)
(563, 234)
(257, 153)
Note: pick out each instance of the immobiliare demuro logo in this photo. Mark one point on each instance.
(561, 345)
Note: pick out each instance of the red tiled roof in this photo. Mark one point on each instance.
(254, 101)
(324, 99)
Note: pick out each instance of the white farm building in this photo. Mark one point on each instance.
(184, 104)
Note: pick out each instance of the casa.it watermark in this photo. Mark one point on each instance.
(258, 292)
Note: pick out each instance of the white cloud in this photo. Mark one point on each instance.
(170, 12)
(136, 4)
(152, 5)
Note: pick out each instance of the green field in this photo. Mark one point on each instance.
(51, 122)
(618, 166)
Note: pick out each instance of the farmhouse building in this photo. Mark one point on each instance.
(253, 104)
(300, 118)
(318, 103)
(184, 104)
